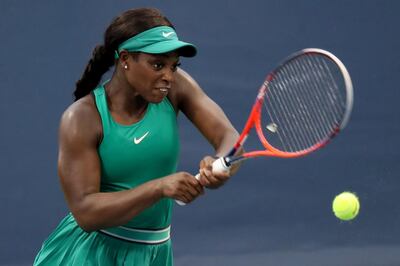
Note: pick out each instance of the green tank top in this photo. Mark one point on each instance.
(131, 155)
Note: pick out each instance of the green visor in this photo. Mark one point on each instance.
(158, 40)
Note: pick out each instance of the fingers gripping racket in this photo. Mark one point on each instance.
(300, 107)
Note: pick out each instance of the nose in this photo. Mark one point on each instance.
(168, 76)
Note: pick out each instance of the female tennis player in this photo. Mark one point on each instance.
(118, 147)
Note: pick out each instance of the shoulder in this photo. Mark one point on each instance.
(184, 86)
(81, 110)
(81, 118)
(183, 78)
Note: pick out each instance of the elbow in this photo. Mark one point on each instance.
(88, 228)
(85, 222)
(85, 213)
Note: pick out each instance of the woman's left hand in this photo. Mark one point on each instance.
(207, 178)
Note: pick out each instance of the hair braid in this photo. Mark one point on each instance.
(99, 64)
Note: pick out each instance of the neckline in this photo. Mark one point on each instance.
(146, 112)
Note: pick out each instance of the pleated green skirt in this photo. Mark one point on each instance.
(70, 245)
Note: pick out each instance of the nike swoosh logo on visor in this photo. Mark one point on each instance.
(167, 34)
(137, 141)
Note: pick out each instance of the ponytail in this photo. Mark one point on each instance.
(99, 64)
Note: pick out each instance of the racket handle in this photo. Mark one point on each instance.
(181, 203)
(218, 167)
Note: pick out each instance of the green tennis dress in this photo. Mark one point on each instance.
(130, 155)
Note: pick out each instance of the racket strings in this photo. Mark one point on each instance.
(301, 106)
(282, 110)
(284, 116)
(304, 102)
(318, 103)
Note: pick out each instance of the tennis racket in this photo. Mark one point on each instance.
(302, 104)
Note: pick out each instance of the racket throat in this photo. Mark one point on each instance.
(229, 161)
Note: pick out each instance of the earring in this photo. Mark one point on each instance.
(126, 66)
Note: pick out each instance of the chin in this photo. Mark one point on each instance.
(157, 99)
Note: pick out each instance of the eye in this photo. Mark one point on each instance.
(175, 67)
(157, 66)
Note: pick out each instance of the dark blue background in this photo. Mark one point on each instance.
(274, 211)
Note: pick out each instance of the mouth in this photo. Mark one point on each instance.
(164, 90)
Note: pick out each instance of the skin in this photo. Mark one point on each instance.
(146, 78)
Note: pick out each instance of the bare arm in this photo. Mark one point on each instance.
(211, 121)
(79, 171)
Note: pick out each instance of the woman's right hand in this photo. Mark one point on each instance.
(181, 186)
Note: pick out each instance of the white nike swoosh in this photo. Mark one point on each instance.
(137, 141)
(167, 34)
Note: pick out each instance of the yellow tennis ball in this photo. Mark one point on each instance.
(346, 206)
